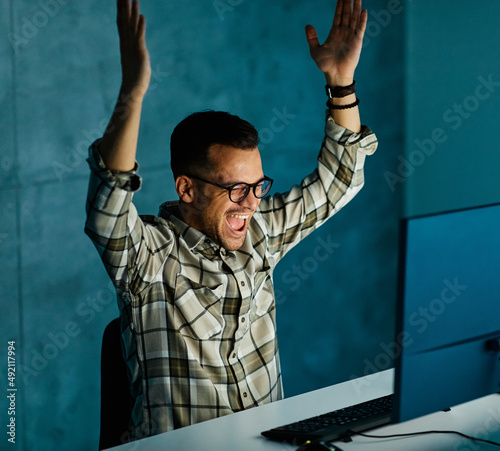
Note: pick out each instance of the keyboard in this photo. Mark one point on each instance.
(336, 425)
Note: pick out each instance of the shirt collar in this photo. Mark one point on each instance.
(193, 238)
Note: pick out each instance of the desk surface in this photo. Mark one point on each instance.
(241, 431)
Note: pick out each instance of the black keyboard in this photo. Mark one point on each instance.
(336, 425)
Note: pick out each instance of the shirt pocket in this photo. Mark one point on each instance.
(197, 309)
(263, 299)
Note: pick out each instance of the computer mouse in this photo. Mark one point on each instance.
(317, 446)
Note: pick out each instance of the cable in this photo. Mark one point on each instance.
(469, 437)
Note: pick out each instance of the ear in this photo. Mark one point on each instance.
(185, 188)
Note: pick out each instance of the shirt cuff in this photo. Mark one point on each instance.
(366, 139)
(126, 180)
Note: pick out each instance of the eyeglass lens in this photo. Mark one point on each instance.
(240, 191)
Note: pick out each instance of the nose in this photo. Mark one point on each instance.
(251, 202)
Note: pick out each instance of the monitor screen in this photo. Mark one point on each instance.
(448, 314)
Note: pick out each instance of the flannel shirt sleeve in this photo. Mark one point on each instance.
(339, 176)
(121, 237)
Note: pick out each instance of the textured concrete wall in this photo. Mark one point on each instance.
(59, 80)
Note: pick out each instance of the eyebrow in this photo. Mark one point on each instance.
(246, 183)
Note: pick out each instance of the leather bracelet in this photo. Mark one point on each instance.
(330, 105)
(340, 91)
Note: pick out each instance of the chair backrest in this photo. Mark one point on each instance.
(116, 402)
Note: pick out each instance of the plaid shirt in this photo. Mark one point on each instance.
(198, 322)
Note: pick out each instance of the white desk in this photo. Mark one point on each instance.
(241, 431)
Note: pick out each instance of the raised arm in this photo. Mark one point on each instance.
(119, 143)
(339, 55)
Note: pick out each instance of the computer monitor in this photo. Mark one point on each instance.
(448, 316)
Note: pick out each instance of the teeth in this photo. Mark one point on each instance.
(239, 216)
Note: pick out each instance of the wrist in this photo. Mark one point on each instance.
(338, 80)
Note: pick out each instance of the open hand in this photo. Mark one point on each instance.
(339, 55)
(136, 67)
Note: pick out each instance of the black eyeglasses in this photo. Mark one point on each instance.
(239, 191)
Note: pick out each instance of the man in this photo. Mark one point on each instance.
(194, 284)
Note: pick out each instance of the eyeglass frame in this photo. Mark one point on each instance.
(249, 187)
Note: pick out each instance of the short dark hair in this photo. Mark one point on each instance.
(194, 135)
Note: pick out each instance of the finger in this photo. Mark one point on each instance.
(123, 8)
(363, 19)
(338, 13)
(134, 17)
(355, 17)
(346, 13)
(312, 37)
(122, 13)
(141, 30)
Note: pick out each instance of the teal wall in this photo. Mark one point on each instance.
(59, 80)
(452, 106)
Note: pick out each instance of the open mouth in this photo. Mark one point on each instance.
(237, 223)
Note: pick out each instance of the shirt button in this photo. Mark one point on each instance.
(243, 320)
(242, 283)
(245, 394)
(234, 355)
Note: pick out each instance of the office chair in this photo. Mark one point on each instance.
(116, 401)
